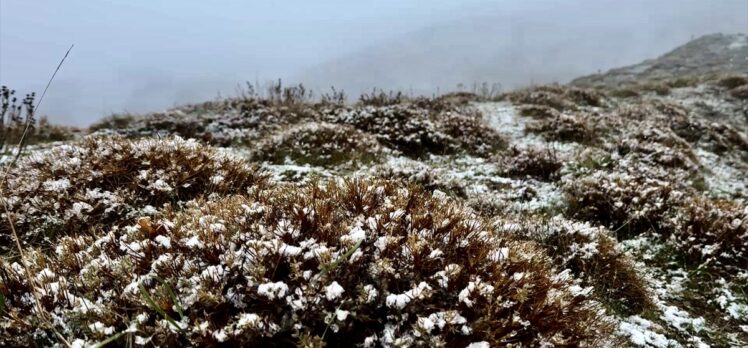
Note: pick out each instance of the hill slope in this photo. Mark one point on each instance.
(707, 55)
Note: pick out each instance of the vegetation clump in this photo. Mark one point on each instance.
(417, 132)
(360, 262)
(319, 144)
(100, 183)
(561, 98)
(591, 254)
(542, 164)
(566, 128)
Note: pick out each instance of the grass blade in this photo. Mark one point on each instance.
(156, 308)
(329, 268)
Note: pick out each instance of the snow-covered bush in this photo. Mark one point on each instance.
(568, 128)
(538, 111)
(653, 145)
(558, 97)
(321, 144)
(417, 132)
(591, 254)
(357, 263)
(626, 203)
(101, 183)
(542, 164)
(713, 233)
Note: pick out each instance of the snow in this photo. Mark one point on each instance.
(640, 333)
(333, 291)
(273, 290)
(399, 301)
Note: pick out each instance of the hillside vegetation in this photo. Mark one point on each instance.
(593, 215)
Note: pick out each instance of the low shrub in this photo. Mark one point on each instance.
(100, 183)
(319, 144)
(417, 132)
(626, 92)
(112, 122)
(734, 81)
(531, 162)
(626, 203)
(355, 263)
(538, 111)
(740, 92)
(712, 232)
(565, 128)
(558, 97)
(657, 146)
(592, 254)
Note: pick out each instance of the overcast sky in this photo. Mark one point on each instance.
(143, 56)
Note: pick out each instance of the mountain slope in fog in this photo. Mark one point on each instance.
(709, 54)
(534, 45)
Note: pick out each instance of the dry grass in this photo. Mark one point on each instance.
(712, 232)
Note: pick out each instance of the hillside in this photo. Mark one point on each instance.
(708, 55)
(554, 215)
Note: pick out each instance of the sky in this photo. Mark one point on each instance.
(140, 56)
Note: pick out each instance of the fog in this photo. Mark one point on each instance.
(140, 56)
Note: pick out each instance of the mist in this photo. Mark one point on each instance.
(141, 56)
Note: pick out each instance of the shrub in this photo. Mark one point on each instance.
(566, 128)
(538, 111)
(592, 254)
(355, 263)
(740, 92)
(558, 97)
(101, 183)
(417, 132)
(626, 92)
(469, 133)
(626, 203)
(731, 82)
(656, 145)
(46, 132)
(713, 233)
(320, 144)
(530, 162)
(381, 98)
(112, 122)
(658, 88)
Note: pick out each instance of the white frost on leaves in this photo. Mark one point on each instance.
(100, 328)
